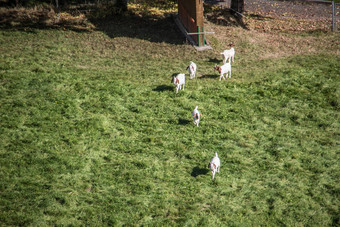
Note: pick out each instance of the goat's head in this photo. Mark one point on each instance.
(175, 80)
(217, 68)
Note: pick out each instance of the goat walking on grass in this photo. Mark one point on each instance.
(214, 165)
(228, 54)
(224, 69)
(192, 68)
(196, 116)
(178, 81)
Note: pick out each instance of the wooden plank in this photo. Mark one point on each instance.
(188, 37)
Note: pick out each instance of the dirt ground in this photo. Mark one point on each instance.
(308, 9)
(289, 15)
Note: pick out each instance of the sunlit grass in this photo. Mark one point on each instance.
(92, 133)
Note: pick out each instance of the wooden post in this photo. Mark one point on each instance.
(334, 16)
(57, 4)
(237, 5)
(190, 13)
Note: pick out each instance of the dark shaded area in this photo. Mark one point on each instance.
(215, 60)
(198, 171)
(110, 20)
(40, 18)
(223, 16)
(153, 29)
(210, 76)
(162, 88)
(182, 121)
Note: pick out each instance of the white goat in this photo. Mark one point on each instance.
(228, 54)
(178, 81)
(192, 69)
(196, 115)
(214, 165)
(224, 69)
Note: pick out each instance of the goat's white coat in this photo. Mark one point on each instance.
(215, 165)
(228, 55)
(178, 81)
(196, 116)
(224, 69)
(192, 68)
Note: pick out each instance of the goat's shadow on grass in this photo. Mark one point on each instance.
(215, 60)
(199, 171)
(209, 76)
(182, 121)
(162, 88)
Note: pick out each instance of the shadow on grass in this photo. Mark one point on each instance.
(182, 121)
(215, 60)
(28, 19)
(199, 171)
(223, 16)
(150, 28)
(162, 88)
(209, 76)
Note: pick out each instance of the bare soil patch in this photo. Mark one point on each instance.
(269, 15)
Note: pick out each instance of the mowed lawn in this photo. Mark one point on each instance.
(92, 132)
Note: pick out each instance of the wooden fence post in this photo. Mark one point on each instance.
(334, 16)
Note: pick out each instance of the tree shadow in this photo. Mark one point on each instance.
(150, 28)
(28, 20)
(146, 26)
(223, 16)
(162, 88)
(199, 171)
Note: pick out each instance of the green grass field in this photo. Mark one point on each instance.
(92, 132)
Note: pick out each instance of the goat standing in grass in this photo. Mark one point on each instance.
(214, 165)
(178, 81)
(228, 54)
(224, 69)
(196, 115)
(192, 70)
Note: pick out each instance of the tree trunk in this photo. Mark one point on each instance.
(122, 4)
(237, 5)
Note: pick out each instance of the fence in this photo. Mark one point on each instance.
(334, 12)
